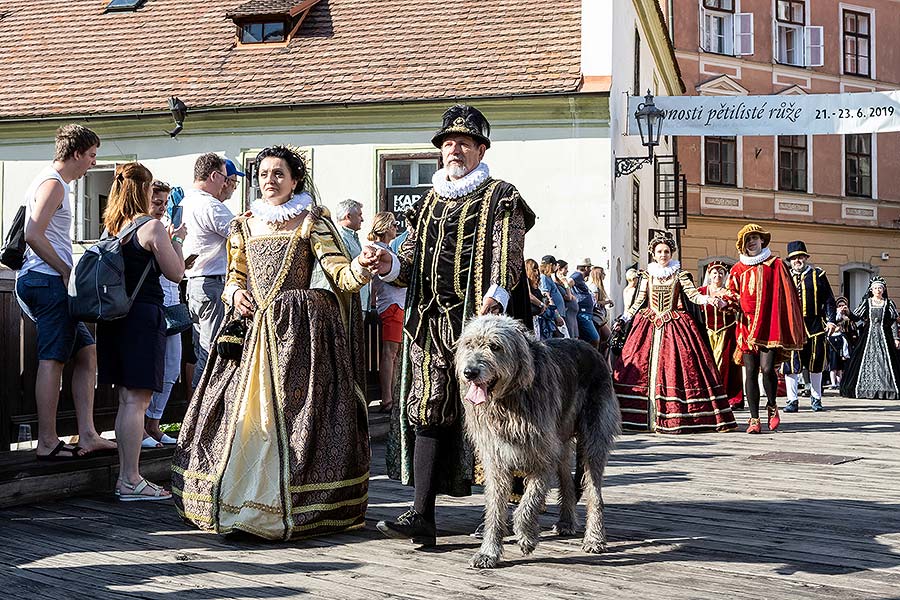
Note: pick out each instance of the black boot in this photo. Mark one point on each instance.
(409, 525)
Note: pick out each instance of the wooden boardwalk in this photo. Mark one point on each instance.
(688, 517)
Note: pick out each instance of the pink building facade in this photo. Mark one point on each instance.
(840, 194)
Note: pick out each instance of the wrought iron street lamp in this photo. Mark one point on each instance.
(649, 120)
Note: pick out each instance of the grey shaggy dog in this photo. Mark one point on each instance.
(526, 401)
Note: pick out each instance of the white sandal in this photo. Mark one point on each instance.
(136, 492)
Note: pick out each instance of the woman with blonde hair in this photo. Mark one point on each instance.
(602, 304)
(131, 351)
(389, 303)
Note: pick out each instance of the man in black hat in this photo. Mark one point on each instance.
(463, 257)
(817, 303)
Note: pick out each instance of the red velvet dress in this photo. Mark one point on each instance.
(720, 328)
(770, 314)
(665, 378)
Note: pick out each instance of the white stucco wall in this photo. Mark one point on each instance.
(624, 24)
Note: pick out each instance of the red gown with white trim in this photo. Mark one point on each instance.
(666, 379)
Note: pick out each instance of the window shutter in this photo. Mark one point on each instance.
(815, 52)
(705, 32)
(743, 34)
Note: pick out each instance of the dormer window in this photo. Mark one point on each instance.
(269, 21)
(260, 32)
(124, 5)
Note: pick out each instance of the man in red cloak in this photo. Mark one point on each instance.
(770, 324)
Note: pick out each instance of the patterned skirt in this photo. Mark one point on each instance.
(666, 379)
(723, 345)
(277, 444)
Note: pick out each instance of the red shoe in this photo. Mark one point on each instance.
(774, 419)
(753, 426)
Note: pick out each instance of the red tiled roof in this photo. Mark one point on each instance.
(69, 58)
(269, 7)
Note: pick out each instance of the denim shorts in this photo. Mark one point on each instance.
(46, 302)
(586, 329)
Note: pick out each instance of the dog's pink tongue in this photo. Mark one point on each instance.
(477, 394)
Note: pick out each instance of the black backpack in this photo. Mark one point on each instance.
(97, 285)
(12, 254)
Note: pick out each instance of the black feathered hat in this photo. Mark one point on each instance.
(796, 248)
(466, 120)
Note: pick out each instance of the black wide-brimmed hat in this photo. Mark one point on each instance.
(465, 120)
(796, 248)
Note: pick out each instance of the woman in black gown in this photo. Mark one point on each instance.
(874, 367)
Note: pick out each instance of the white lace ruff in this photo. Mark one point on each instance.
(662, 272)
(279, 213)
(447, 188)
(755, 260)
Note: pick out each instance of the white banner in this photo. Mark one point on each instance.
(869, 112)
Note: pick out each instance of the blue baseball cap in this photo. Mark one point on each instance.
(231, 168)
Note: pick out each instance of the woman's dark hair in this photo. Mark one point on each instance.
(294, 160)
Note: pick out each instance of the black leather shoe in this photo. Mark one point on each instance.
(409, 525)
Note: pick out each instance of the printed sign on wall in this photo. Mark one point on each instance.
(868, 112)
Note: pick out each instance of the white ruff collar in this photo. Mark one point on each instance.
(446, 188)
(758, 259)
(272, 213)
(662, 272)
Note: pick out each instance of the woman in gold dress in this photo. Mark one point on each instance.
(276, 443)
(666, 379)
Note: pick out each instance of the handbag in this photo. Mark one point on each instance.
(230, 341)
(12, 254)
(618, 337)
(178, 318)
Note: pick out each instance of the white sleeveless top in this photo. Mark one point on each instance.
(58, 231)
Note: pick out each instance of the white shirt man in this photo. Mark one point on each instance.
(350, 220)
(207, 220)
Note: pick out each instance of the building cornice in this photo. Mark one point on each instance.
(587, 109)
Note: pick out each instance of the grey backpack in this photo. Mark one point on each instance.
(97, 285)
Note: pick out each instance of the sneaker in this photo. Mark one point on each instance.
(774, 419)
(790, 407)
(753, 426)
(817, 408)
(409, 525)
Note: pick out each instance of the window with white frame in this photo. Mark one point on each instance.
(91, 193)
(857, 43)
(792, 163)
(724, 30)
(797, 43)
(858, 165)
(720, 158)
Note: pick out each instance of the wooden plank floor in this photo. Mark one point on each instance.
(688, 517)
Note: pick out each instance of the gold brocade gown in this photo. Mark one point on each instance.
(276, 444)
